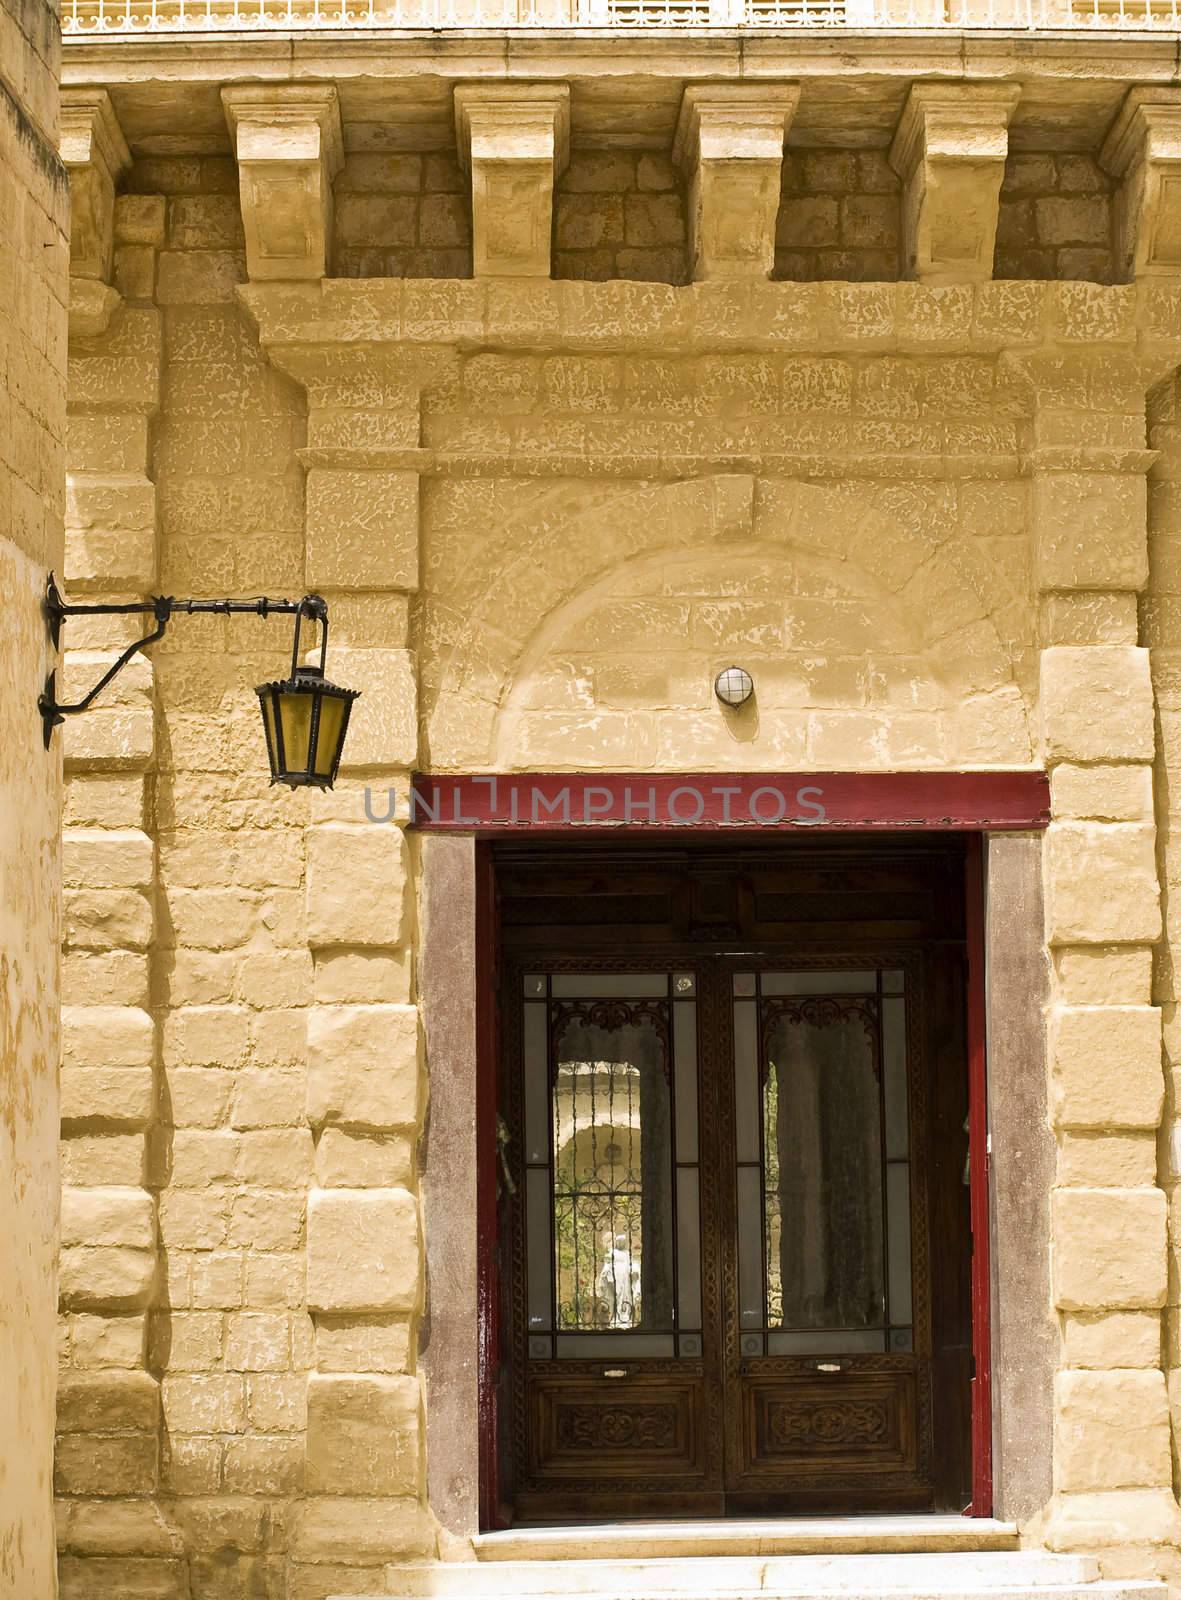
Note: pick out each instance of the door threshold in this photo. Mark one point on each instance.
(765, 1536)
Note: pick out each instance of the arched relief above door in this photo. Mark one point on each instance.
(880, 630)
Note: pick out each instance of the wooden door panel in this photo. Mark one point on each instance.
(585, 1427)
(811, 1425)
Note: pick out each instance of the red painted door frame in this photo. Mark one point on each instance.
(979, 1181)
(1025, 808)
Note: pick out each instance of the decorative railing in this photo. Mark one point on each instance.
(127, 18)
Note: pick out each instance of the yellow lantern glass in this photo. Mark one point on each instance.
(305, 719)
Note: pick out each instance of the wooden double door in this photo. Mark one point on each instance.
(733, 1202)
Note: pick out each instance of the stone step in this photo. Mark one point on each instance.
(881, 1535)
(1013, 1575)
(1095, 1590)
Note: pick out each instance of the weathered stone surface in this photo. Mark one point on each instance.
(1090, 530)
(364, 1066)
(1113, 1339)
(1109, 1250)
(356, 1531)
(729, 145)
(1111, 1431)
(949, 150)
(363, 1250)
(1105, 1066)
(1101, 884)
(1097, 704)
(356, 882)
(514, 139)
(107, 1402)
(363, 1436)
(362, 529)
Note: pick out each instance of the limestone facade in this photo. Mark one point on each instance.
(562, 416)
(34, 224)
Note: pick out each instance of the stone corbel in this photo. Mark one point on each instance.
(95, 155)
(287, 139)
(729, 145)
(949, 150)
(514, 139)
(1143, 152)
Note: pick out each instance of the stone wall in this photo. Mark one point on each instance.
(34, 203)
(619, 214)
(402, 216)
(840, 216)
(544, 513)
(1055, 219)
(1159, 624)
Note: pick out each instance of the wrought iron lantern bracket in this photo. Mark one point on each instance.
(309, 681)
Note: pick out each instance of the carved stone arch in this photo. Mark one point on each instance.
(908, 579)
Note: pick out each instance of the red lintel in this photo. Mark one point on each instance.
(550, 802)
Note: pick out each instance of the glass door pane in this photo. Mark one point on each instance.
(823, 1177)
(616, 1253)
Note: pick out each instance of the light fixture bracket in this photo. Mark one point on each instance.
(161, 608)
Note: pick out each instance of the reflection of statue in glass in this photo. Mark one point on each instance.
(619, 1282)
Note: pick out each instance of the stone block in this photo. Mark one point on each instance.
(1119, 1339)
(1096, 703)
(107, 858)
(354, 1531)
(349, 1344)
(1142, 151)
(116, 737)
(114, 1278)
(364, 1066)
(363, 1250)
(1109, 793)
(1111, 1430)
(1090, 530)
(111, 1464)
(287, 138)
(356, 880)
(1106, 1160)
(949, 150)
(107, 1341)
(119, 1096)
(139, 219)
(729, 144)
(1109, 1249)
(107, 1402)
(1103, 975)
(362, 529)
(1105, 1066)
(362, 1161)
(514, 140)
(364, 1435)
(103, 1527)
(107, 1036)
(1101, 884)
(344, 976)
(108, 1216)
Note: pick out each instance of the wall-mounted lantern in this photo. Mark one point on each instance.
(305, 717)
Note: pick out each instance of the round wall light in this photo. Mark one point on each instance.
(734, 686)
